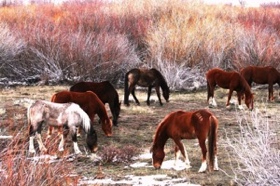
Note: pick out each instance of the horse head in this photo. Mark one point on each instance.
(158, 156)
(249, 101)
(166, 94)
(107, 127)
(92, 140)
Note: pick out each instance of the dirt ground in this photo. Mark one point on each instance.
(137, 125)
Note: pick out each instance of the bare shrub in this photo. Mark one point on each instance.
(17, 169)
(113, 154)
(10, 47)
(255, 150)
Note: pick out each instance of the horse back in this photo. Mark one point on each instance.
(260, 75)
(222, 78)
(104, 90)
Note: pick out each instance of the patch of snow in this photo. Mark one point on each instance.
(160, 179)
(6, 137)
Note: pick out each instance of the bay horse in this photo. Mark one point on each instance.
(262, 75)
(233, 81)
(146, 78)
(68, 115)
(178, 125)
(105, 92)
(90, 103)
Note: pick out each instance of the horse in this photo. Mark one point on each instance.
(146, 78)
(105, 92)
(90, 103)
(180, 125)
(233, 81)
(68, 115)
(262, 75)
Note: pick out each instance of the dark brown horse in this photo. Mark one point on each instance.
(90, 103)
(106, 93)
(232, 81)
(68, 115)
(146, 78)
(262, 75)
(180, 125)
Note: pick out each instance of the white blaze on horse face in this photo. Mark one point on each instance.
(31, 145)
(203, 166)
(216, 167)
(76, 148)
(61, 144)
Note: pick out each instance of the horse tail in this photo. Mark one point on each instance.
(126, 88)
(208, 90)
(212, 140)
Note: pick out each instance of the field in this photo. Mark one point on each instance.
(137, 125)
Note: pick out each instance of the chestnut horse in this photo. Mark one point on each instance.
(105, 92)
(187, 125)
(146, 78)
(90, 103)
(262, 75)
(232, 81)
(68, 115)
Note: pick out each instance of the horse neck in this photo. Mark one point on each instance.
(102, 113)
(247, 88)
(161, 136)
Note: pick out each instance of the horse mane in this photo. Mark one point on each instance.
(163, 82)
(245, 84)
(86, 121)
(101, 111)
(159, 130)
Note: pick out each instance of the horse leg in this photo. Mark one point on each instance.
(36, 133)
(61, 143)
(180, 146)
(115, 118)
(31, 139)
(74, 139)
(239, 97)
(210, 94)
(40, 142)
(50, 129)
(177, 156)
(158, 95)
(133, 94)
(270, 92)
(31, 144)
(203, 166)
(229, 97)
(149, 94)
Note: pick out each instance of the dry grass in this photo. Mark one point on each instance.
(134, 135)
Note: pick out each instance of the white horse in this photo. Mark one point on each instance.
(68, 115)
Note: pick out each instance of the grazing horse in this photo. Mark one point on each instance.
(232, 81)
(90, 103)
(187, 125)
(146, 78)
(262, 75)
(106, 93)
(68, 115)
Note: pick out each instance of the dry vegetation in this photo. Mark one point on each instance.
(96, 40)
(248, 145)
